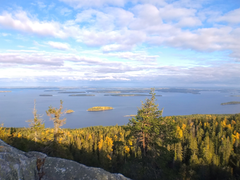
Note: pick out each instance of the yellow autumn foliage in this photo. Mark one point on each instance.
(127, 149)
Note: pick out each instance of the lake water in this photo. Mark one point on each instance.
(16, 107)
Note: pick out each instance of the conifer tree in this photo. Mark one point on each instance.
(149, 128)
(36, 123)
(141, 125)
(55, 115)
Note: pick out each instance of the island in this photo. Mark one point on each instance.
(132, 115)
(235, 96)
(82, 95)
(231, 103)
(71, 92)
(4, 91)
(45, 95)
(119, 91)
(49, 90)
(129, 95)
(69, 111)
(100, 108)
(176, 90)
(147, 90)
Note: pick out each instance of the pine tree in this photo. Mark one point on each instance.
(141, 125)
(149, 127)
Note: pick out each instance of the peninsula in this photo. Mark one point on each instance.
(131, 115)
(235, 96)
(100, 108)
(129, 95)
(231, 102)
(71, 92)
(82, 95)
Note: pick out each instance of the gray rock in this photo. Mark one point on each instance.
(18, 165)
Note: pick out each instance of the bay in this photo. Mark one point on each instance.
(16, 107)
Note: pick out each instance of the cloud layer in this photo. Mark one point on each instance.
(126, 38)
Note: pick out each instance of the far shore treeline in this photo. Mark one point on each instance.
(148, 147)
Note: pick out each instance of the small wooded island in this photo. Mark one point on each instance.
(69, 111)
(100, 108)
(231, 102)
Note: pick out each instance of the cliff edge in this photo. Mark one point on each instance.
(19, 165)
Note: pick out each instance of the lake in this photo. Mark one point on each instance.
(16, 107)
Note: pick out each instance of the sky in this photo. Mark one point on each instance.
(120, 43)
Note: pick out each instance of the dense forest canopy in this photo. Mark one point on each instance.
(149, 147)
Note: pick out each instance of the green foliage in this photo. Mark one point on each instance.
(55, 115)
(176, 147)
(150, 129)
(36, 124)
(153, 134)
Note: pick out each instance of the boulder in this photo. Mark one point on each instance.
(19, 165)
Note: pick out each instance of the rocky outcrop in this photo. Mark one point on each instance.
(19, 165)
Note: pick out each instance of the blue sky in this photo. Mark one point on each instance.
(120, 43)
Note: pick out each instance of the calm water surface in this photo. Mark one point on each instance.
(16, 107)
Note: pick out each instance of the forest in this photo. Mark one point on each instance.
(150, 146)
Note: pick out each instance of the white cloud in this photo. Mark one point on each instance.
(20, 21)
(5, 34)
(96, 19)
(232, 17)
(118, 29)
(189, 22)
(102, 3)
(146, 15)
(135, 56)
(41, 4)
(65, 11)
(170, 12)
(59, 45)
(116, 47)
(93, 3)
(58, 67)
(122, 18)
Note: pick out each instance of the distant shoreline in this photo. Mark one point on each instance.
(132, 115)
(71, 92)
(82, 95)
(4, 91)
(231, 103)
(129, 95)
